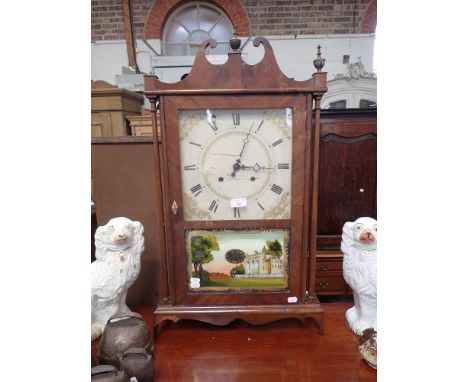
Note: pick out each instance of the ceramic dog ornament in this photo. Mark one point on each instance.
(119, 245)
(359, 247)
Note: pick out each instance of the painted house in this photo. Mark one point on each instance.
(261, 264)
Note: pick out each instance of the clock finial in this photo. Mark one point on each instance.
(319, 62)
(234, 42)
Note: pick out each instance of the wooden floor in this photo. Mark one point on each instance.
(285, 350)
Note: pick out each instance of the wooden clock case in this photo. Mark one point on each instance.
(236, 84)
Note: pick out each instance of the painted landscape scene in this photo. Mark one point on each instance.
(250, 260)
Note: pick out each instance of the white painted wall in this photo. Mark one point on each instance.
(294, 55)
(107, 59)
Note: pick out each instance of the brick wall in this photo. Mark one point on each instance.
(266, 17)
(305, 17)
(107, 18)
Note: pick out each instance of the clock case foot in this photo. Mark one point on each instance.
(255, 315)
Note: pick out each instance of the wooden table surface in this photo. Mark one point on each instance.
(285, 350)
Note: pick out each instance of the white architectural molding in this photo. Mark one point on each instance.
(352, 85)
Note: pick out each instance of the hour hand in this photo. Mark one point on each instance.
(236, 167)
(256, 167)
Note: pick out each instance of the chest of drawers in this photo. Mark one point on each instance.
(329, 273)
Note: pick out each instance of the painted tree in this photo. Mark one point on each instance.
(202, 246)
(238, 270)
(235, 256)
(274, 248)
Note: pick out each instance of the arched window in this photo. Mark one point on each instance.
(191, 24)
(341, 104)
(367, 104)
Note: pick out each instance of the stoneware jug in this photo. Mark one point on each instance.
(108, 373)
(138, 363)
(123, 331)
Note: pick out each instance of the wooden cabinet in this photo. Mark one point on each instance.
(124, 180)
(329, 273)
(142, 125)
(348, 171)
(110, 106)
(347, 187)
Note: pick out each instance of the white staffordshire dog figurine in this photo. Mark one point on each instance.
(359, 246)
(119, 245)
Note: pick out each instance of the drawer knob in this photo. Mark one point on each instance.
(323, 284)
(324, 267)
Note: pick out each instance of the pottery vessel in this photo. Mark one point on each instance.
(368, 347)
(108, 373)
(136, 362)
(123, 332)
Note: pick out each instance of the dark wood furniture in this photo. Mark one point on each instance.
(124, 186)
(279, 351)
(347, 187)
(236, 85)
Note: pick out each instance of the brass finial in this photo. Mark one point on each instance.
(319, 62)
(234, 42)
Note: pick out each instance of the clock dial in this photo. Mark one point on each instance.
(243, 155)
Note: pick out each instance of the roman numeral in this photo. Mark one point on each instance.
(236, 119)
(195, 144)
(237, 212)
(283, 166)
(213, 126)
(277, 142)
(260, 206)
(213, 206)
(196, 190)
(259, 126)
(277, 189)
(190, 167)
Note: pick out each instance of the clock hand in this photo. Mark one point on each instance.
(256, 167)
(229, 155)
(246, 140)
(235, 167)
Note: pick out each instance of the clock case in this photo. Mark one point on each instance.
(237, 85)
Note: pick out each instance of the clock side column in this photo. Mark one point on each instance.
(314, 203)
(163, 282)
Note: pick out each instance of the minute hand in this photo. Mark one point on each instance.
(246, 140)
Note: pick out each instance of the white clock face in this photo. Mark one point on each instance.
(236, 157)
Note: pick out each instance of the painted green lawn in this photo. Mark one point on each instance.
(248, 283)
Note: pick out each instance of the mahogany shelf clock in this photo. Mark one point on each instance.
(237, 191)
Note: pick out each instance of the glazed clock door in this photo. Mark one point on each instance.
(236, 187)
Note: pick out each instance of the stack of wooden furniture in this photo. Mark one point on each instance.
(110, 108)
(140, 125)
